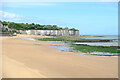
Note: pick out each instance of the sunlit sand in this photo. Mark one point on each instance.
(24, 59)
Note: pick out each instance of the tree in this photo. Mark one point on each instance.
(5, 23)
(33, 24)
(73, 29)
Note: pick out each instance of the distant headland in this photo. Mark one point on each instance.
(36, 29)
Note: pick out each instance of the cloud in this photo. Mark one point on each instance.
(9, 16)
(60, 0)
(27, 4)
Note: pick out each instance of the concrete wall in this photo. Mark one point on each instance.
(50, 32)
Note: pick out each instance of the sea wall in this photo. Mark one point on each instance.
(50, 32)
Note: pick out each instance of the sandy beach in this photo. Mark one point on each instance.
(24, 59)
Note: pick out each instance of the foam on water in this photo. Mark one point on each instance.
(98, 43)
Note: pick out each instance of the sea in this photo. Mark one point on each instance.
(114, 40)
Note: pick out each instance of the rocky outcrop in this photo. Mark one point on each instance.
(3, 27)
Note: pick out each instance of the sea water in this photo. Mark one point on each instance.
(114, 41)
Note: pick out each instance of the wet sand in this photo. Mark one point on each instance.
(36, 59)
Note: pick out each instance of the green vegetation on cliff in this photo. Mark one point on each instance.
(32, 26)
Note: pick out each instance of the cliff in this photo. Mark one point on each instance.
(37, 29)
(50, 32)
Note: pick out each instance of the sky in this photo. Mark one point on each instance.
(91, 18)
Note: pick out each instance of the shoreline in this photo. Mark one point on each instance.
(45, 61)
(94, 48)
